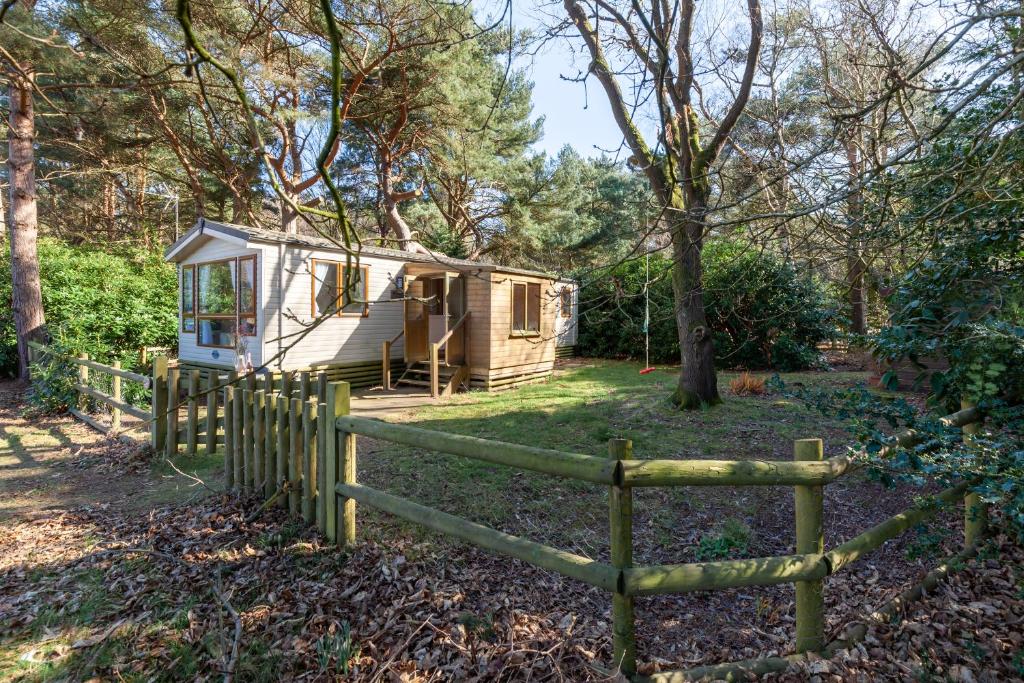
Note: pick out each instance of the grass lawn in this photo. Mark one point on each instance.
(583, 407)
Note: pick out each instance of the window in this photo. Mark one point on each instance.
(565, 302)
(247, 296)
(188, 299)
(329, 290)
(226, 301)
(525, 307)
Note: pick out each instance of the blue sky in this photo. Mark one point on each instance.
(573, 114)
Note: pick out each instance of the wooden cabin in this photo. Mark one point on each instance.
(278, 301)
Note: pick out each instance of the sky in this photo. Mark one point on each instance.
(574, 114)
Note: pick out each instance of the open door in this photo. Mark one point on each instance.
(415, 322)
(455, 309)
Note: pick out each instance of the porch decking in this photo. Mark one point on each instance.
(375, 402)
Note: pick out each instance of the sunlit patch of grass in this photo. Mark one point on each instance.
(579, 411)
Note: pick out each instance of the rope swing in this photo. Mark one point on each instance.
(647, 313)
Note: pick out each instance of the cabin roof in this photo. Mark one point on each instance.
(244, 234)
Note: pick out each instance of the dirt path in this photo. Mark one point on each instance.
(50, 463)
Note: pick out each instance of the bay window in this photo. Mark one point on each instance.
(225, 301)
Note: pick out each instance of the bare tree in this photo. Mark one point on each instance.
(657, 42)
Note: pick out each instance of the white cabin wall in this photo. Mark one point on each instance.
(567, 329)
(270, 304)
(188, 349)
(339, 339)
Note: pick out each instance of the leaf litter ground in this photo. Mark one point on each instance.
(115, 590)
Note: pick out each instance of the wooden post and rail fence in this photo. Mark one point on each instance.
(294, 443)
(808, 473)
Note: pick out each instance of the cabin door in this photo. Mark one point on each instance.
(434, 305)
(416, 321)
(455, 309)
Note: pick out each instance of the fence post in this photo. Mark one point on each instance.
(229, 437)
(339, 461)
(385, 374)
(211, 413)
(281, 448)
(248, 471)
(83, 379)
(158, 403)
(308, 459)
(269, 441)
(237, 463)
(975, 511)
(115, 392)
(192, 435)
(258, 440)
(321, 387)
(294, 455)
(620, 515)
(173, 374)
(323, 433)
(810, 539)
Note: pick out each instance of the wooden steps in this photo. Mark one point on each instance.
(449, 377)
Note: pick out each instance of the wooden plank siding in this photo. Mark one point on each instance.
(510, 353)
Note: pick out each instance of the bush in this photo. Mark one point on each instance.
(748, 385)
(102, 304)
(762, 313)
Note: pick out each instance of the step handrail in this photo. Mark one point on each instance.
(444, 340)
(435, 356)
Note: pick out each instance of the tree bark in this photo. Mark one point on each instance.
(698, 382)
(855, 270)
(855, 264)
(26, 292)
(289, 218)
(399, 228)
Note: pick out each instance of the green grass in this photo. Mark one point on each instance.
(579, 411)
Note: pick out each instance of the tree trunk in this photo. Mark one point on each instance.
(399, 228)
(855, 264)
(855, 270)
(698, 383)
(26, 293)
(289, 218)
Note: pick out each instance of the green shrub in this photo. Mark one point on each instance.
(732, 540)
(762, 313)
(102, 304)
(53, 380)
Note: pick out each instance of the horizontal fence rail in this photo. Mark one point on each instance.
(83, 389)
(575, 566)
(807, 569)
(648, 473)
(568, 465)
